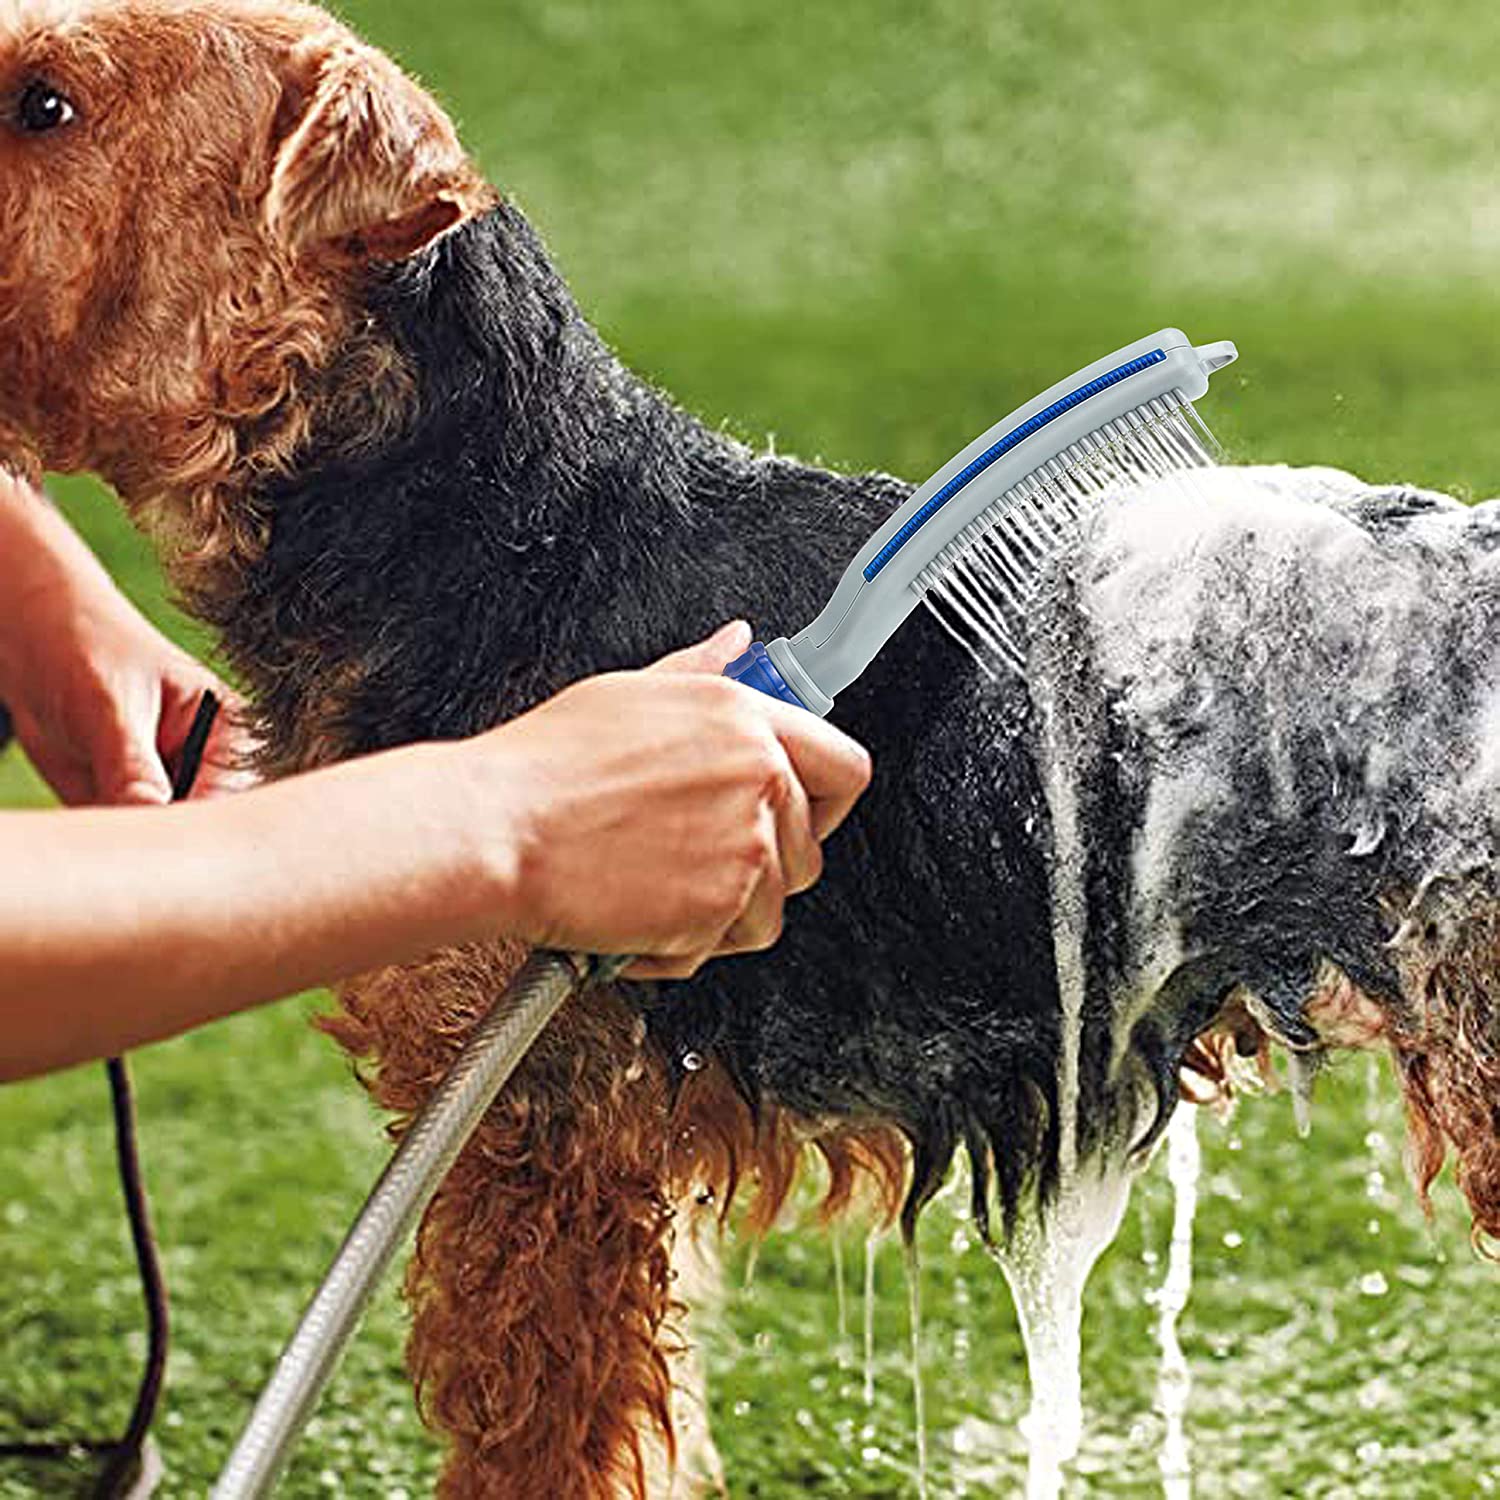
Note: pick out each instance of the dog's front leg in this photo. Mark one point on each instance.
(542, 1284)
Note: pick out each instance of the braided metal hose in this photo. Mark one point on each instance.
(429, 1147)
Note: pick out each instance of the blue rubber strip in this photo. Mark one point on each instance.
(1012, 439)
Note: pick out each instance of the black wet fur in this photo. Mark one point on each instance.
(551, 515)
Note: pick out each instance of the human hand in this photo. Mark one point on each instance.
(99, 700)
(669, 813)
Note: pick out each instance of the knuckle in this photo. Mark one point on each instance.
(761, 852)
(726, 897)
(764, 761)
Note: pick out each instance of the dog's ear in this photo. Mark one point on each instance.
(366, 166)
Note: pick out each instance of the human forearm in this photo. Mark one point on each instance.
(665, 813)
(123, 927)
(38, 547)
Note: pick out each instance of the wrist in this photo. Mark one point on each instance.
(43, 552)
(470, 789)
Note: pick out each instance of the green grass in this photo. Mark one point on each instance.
(864, 231)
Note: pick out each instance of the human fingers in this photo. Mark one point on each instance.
(797, 846)
(754, 917)
(128, 770)
(833, 769)
(668, 968)
(227, 761)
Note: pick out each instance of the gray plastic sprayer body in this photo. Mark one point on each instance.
(883, 584)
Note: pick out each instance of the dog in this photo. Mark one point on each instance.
(1246, 791)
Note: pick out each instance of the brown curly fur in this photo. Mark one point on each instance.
(239, 259)
(542, 1291)
(1447, 1049)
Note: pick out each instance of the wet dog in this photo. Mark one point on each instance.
(1247, 790)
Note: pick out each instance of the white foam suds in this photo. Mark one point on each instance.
(1174, 1381)
(841, 1294)
(1047, 1263)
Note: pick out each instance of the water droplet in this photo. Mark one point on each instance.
(1233, 1240)
(691, 1061)
(1373, 1284)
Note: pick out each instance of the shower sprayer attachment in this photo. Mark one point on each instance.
(975, 538)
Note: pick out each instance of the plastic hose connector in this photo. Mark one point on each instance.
(756, 669)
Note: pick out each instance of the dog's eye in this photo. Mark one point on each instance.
(41, 107)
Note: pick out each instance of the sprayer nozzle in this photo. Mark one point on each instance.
(1215, 356)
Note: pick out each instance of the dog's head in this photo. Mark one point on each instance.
(189, 195)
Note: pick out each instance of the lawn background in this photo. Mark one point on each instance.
(861, 232)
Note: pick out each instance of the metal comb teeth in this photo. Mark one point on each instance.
(980, 585)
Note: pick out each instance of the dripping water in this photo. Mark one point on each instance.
(1049, 1256)
(1174, 1381)
(1375, 1142)
(1302, 1069)
(1046, 1263)
(871, 1242)
(841, 1297)
(980, 589)
(914, 1323)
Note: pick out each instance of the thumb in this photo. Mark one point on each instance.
(138, 780)
(711, 655)
(129, 772)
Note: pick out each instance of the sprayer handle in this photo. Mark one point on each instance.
(776, 671)
(756, 669)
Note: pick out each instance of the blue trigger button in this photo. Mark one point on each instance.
(756, 669)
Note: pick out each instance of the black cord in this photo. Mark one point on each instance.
(123, 1454)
